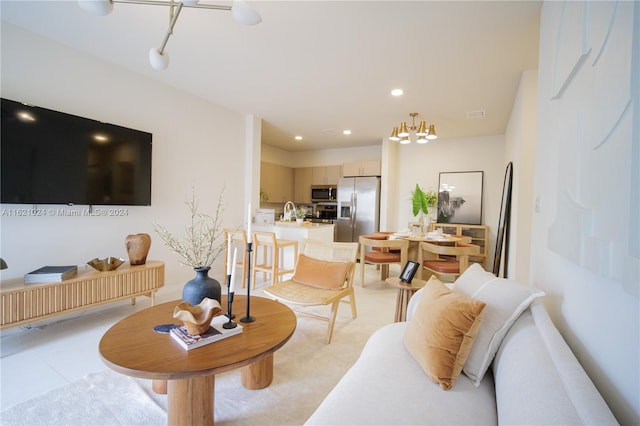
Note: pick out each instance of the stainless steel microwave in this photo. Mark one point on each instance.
(320, 193)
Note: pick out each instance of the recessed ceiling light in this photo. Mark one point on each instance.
(346, 132)
(298, 138)
(397, 92)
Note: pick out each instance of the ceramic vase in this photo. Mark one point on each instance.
(195, 290)
(138, 246)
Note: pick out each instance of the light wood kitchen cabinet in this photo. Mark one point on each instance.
(302, 179)
(361, 168)
(277, 182)
(326, 175)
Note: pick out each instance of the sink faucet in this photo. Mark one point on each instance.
(289, 210)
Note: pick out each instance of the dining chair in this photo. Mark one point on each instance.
(445, 262)
(323, 276)
(381, 252)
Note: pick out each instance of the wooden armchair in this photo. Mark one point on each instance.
(445, 262)
(383, 252)
(323, 276)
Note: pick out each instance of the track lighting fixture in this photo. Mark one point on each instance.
(158, 57)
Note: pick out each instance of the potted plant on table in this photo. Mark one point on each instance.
(421, 202)
(199, 247)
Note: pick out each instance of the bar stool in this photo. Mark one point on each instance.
(272, 258)
(239, 241)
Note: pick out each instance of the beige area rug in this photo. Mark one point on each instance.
(305, 370)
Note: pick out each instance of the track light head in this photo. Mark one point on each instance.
(96, 7)
(244, 14)
(159, 61)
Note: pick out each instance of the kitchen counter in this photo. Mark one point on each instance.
(295, 231)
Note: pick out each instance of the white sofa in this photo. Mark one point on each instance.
(534, 379)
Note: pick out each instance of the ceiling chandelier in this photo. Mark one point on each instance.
(159, 58)
(424, 135)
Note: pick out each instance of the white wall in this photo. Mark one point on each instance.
(585, 228)
(422, 164)
(190, 137)
(520, 150)
(321, 157)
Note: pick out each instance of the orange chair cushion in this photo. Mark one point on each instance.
(382, 257)
(320, 273)
(377, 237)
(443, 266)
(441, 332)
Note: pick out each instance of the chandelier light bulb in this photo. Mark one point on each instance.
(159, 61)
(421, 139)
(422, 130)
(394, 135)
(403, 130)
(405, 140)
(432, 132)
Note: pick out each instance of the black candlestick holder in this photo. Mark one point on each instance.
(229, 314)
(248, 317)
(230, 324)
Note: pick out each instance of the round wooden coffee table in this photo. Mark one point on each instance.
(405, 291)
(131, 347)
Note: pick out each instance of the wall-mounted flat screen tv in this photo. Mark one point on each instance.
(50, 157)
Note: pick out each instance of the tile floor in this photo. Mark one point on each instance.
(50, 354)
(53, 353)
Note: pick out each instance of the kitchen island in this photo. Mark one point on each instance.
(294, 231)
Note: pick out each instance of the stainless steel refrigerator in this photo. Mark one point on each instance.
(358, 207)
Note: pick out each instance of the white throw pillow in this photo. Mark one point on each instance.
(506, 300)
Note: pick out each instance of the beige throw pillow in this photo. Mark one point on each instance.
(441, 332)
(320, 273)
(506, 300)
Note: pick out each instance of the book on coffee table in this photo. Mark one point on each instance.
(216, 332)
(50, 274)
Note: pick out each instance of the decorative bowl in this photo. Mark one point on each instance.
(197, 318)
(107, 264)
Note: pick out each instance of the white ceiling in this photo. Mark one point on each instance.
(314, 68)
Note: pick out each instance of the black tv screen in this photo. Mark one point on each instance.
(50, 157)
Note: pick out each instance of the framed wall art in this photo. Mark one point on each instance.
(460, 197)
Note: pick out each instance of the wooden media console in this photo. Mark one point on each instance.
(22, 303)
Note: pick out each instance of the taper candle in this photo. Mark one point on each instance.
(249, 224)
(232, 287)
(229, 267)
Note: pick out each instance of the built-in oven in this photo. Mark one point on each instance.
(327, 211)
(323, 193)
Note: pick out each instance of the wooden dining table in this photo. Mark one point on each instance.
(414, 243)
